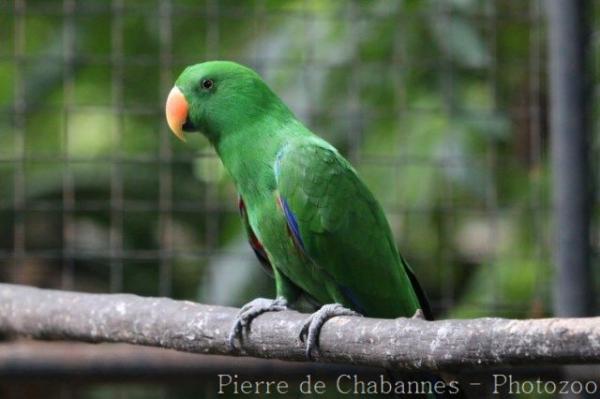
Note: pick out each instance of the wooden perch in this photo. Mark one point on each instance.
(400, 343)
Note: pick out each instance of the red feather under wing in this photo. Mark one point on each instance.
(255, 244)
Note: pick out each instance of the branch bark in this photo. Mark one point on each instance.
(402, 343)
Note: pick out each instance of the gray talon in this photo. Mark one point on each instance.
(250, 311)
(418, 314)
(312, 326)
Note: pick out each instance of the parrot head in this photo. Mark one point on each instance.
(218, 98)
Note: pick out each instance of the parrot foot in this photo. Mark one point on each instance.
(249, 312)
(419, 315)
(312, 326)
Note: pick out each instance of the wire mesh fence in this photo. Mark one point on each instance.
(441, 106)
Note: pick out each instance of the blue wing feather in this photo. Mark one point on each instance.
(292, 224)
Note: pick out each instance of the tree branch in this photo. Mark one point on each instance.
(400, 343)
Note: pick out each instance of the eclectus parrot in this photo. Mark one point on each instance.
(310, 219)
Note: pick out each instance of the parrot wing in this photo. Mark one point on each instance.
(335, 221)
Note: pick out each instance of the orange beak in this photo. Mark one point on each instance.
(176, 110)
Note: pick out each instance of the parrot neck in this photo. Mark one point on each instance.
(249, 154)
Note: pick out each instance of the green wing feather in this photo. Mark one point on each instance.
(344, 231)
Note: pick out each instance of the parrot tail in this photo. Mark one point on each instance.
(452, 387)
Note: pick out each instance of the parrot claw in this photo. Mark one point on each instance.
(249, 312)
(313, 324)
(419, 315)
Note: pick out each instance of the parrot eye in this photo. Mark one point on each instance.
(207, 84)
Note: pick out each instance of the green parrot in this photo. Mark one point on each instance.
(312, 222)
